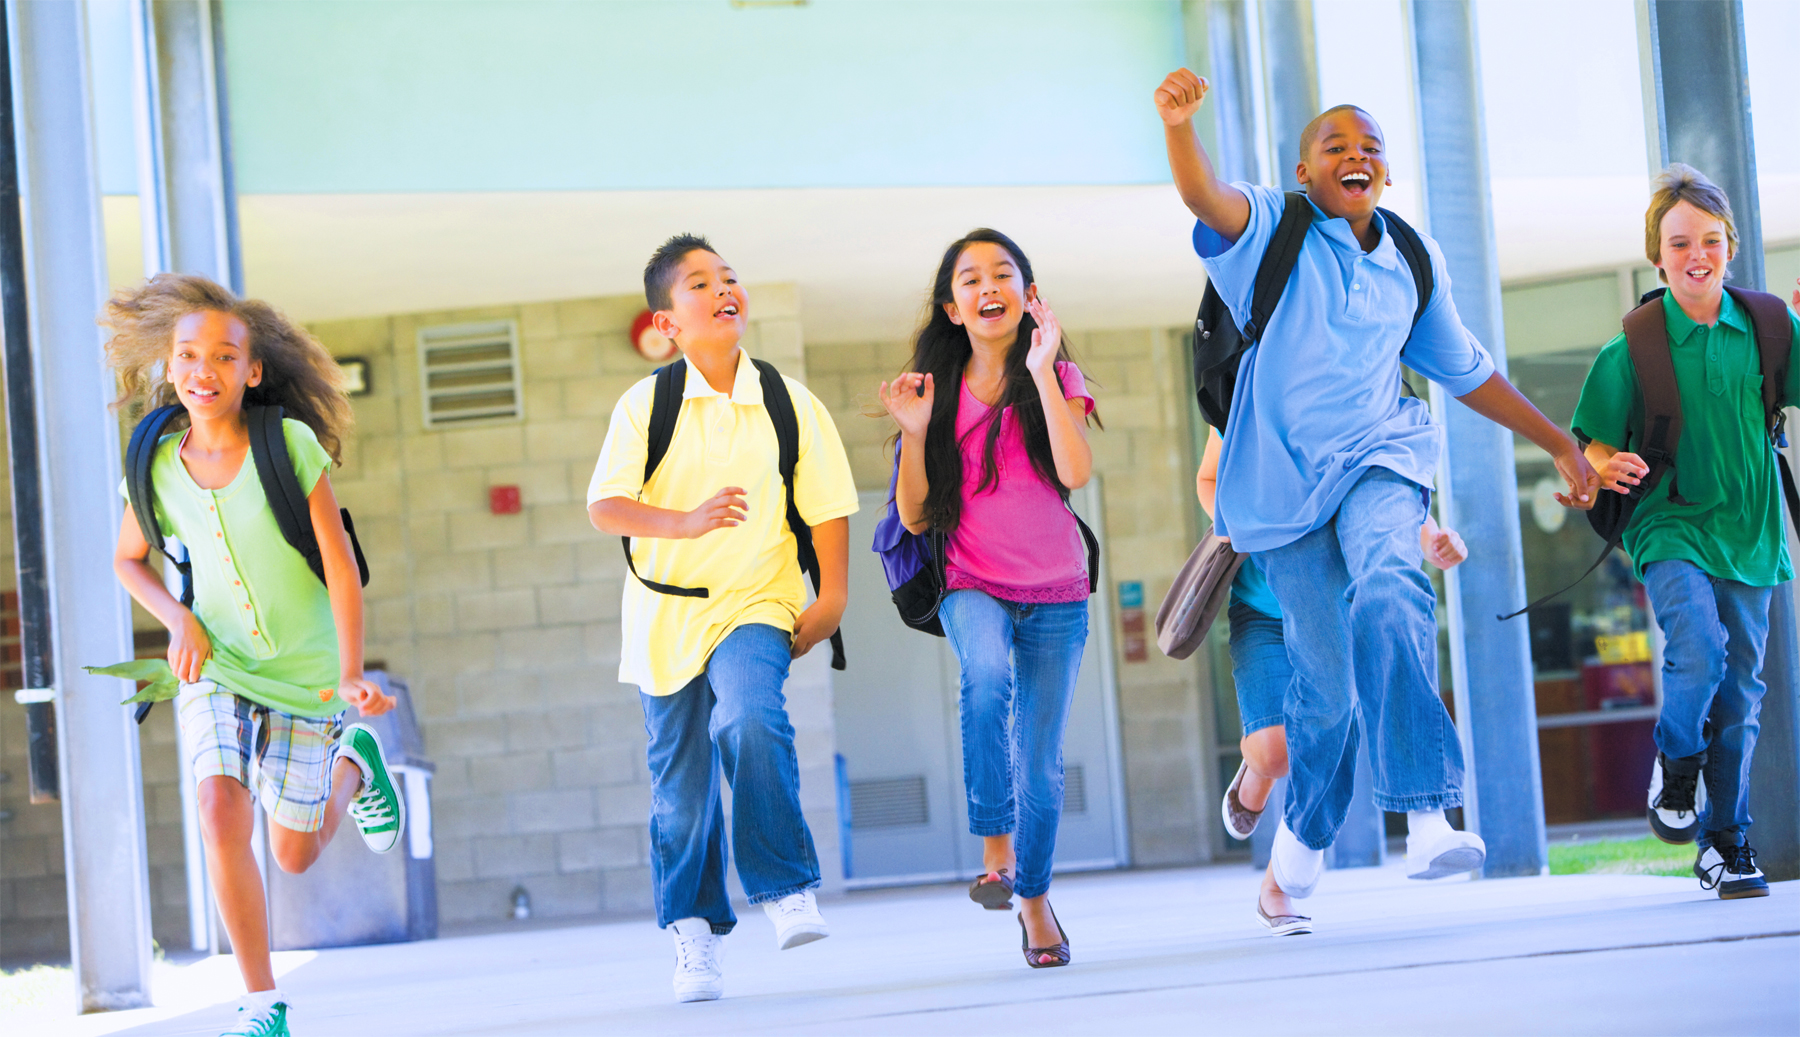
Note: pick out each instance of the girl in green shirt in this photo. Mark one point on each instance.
(269, 655)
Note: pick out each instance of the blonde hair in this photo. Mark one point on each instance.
(298, 374)
(1683, 183)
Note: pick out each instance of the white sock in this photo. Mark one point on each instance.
(1425, 825)
(260, 1000)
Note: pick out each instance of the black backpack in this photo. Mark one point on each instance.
(665, 410)
(1218, 341)
(274, 469)
(1647, 339)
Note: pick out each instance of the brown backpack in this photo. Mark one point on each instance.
(1647, 339)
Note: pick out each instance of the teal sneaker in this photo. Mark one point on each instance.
(261, 1022)
(379, 810)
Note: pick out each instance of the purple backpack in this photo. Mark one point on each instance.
(914, 563)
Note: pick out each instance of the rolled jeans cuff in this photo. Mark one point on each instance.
(764, 898)
(1421, 801)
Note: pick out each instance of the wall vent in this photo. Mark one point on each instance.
(1074, 790)
(469, 374)
(889, 803)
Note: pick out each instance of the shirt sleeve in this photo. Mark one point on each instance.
(620, 470)
(1440, 348)
(1074, 384)
(1231, 265)
(824, 489)
(1609, 399)
(309, 458)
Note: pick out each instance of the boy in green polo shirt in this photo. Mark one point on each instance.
(1708, 542)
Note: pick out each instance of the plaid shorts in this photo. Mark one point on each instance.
(222, 732)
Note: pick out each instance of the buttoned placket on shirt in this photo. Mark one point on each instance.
(717, 412)
(1363, 283)
(242, 607)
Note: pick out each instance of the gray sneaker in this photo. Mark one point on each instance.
(378, 810)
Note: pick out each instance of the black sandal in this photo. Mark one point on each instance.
(995, 894)
(1058, 955)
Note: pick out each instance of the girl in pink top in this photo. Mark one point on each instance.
(990, 461)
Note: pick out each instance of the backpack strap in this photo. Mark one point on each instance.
(140, 457)
(1412, 249)
(780, 405)
(1774, 334)
(665, 411)
(287, 498)
(1277, 266)
(1647, 339)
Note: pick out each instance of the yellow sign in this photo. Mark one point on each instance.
(1624, 648)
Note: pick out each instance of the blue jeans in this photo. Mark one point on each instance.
(1359, 619)
(732, 715)
(1714, 633)
(1019, 664)
(1259, 666)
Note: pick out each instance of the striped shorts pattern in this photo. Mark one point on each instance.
(223, 733)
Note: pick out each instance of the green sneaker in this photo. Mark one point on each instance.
(261, 1022)
(379, 810)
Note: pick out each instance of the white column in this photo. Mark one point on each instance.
(65, 285)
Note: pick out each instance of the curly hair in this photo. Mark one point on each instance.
(299, 375)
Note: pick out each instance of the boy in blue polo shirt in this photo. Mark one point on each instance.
(1325, 474)
(1710, 553)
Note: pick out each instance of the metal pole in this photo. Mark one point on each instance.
(1503, 789)
(35, 645)
(189, 217)
(1291, 82)
(1291, 71)
(1233, 100)
(1698, 95)
(65, 284)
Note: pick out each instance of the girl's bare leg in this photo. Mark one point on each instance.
(297, 851)
(227, 821)
(1265, 751)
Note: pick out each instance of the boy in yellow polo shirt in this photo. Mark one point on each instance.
(716, 608)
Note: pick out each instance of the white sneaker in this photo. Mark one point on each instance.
(1674, 805)
(797, 920)
(697, 952)
(1297, 866)
(1433, 855)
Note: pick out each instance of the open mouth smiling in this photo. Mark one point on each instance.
(1357, 182)
(728, 310)
(992, 310)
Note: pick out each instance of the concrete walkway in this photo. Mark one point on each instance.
(1154, 952)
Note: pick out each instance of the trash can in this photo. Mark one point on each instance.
(351, 896)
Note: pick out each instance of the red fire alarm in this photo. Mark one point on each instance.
(504, 500)
(649, 342)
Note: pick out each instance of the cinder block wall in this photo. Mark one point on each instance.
(507, 626)
(1144, 457)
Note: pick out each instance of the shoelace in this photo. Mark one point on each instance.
(1678, 792)
(791, 906)
(1733, 860)
(370, 809)
(258, 1024)
(695, 954)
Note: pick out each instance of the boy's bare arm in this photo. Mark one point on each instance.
(1206, 480)
(1216, 203)
(1619, 470)
(831, 541)
(1497, 400)
(622, 516)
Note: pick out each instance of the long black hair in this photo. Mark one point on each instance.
(941, 349)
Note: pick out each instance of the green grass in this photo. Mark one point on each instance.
(40, 986)
(1646, 856)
